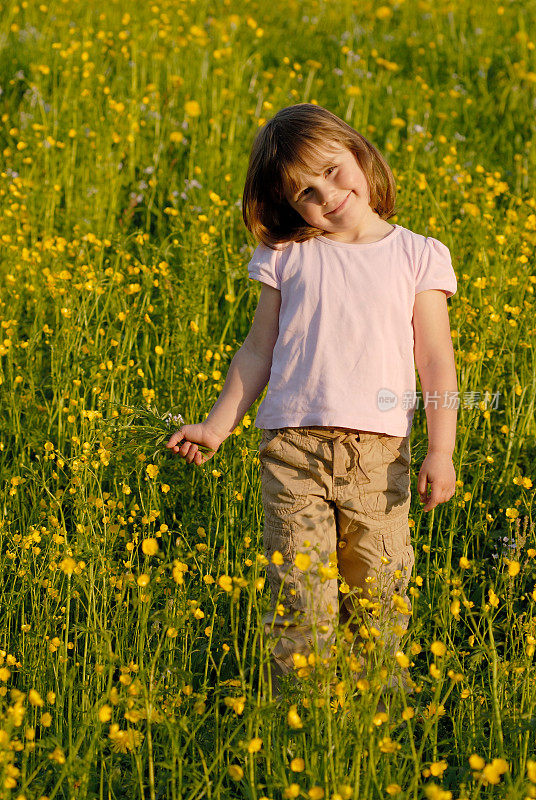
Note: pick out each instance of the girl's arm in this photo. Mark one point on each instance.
(250, 367)
(434, 359)
(248, 374)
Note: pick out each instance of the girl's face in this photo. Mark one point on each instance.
(337, 199)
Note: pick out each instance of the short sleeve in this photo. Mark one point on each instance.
(435, 268)
(265, 266)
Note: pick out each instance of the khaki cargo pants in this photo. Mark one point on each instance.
(335, 500)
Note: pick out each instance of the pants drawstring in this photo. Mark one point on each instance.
(340, 456)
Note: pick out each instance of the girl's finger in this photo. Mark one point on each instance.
(174, 439)
(191, 453)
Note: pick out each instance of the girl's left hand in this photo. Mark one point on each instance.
(438, 470)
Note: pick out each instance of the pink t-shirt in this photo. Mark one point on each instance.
(344, 353)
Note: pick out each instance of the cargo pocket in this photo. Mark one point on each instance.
(387, 496)
(398, 548)
(269, 440)
(398, 446)
(286, 477)
(279, 537)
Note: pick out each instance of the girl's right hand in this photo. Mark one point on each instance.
(185, 441)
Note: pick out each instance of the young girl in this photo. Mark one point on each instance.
(349, 304)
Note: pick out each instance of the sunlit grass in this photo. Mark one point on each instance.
(133, 588)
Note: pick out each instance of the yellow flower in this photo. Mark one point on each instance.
(152, 470)
(387, 745)
(297, 765)
(435, 792)
(159, 350)
(316, 793)
(225, 582)
(303, 561)
(143, 580)
(277, 558)
(46, 720)
(68, 565)
(293, 718)
(123, 741)
(133, 716)
(476, 762)
(105, 713)
(35, 698)
(192, 108)
(531, 771)
(512, 513)
(493, 599)
(150, 547)
(299, 660)
(255, 745)
(402, 659)
(57, 755)
(292, 791)
(380, 718)
(513, 568)
(438, 648)
(464, 562)
(393, 788)
(432, 709)
(235, 772)
(438, 768)
(236, 703)
(434, 672)
(400, 604)
(165, 487)
(383, 12)
(492, 772)
(179, 568)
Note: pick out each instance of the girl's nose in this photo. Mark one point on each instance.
(324, 197)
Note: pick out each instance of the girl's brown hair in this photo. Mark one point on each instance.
(282, 148)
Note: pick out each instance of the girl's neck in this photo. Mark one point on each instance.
(370, 232)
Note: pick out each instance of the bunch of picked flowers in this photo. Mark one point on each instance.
(146, 425)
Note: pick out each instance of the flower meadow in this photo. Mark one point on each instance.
(133, 585)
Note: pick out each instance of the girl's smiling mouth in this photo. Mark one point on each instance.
(339, 208)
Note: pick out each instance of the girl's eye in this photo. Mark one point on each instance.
(329, 169)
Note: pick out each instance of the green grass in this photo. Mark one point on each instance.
(124, 283)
